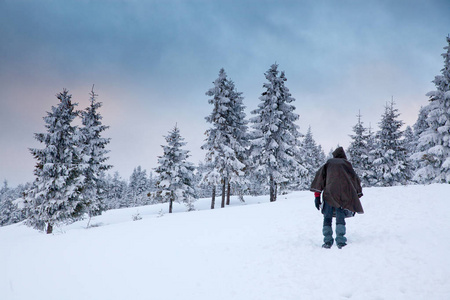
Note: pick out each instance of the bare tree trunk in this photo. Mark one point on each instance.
(228, 193)
(213, 200)
(49, 228)
(275, 191)
(272, 189)
(89, 221)
(223, 194)
(170, 205)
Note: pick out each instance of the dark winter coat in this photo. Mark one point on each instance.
(339, 183)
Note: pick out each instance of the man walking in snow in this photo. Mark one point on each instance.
(341, 189)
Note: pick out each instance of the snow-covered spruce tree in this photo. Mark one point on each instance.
(313, 157)
(176, 174)
(358, 153)
(9, 212)
(238, 161)
(55, 195)
(257, 182)
(94, 158)
(390, 159)
(371, 141)
(409, 140)
(434, 142)
(416, 156)
(421, 124)
(357, 149)
(138, 188)
(152, 179)
(211, 178)
(321, 158)
(275, 138)
(227, 140)
(17, 197)
(410, 144)
(6, 206)
(204, 188)
(116, 192)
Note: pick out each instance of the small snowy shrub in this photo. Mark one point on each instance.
(137, 216)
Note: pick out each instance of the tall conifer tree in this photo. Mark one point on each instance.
(55, 195)
(390, 161)
(359, 153)
(419, 165)
(227, 139)
(176, 174)
(434, 142)
(94, 157)
(275, 142)
(313, 157)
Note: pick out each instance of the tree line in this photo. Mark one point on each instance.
(265, 154)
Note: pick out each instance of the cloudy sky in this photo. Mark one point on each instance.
(152, 62)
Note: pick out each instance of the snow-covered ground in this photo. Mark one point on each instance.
(398, 249)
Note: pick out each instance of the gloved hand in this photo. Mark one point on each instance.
(317, 202)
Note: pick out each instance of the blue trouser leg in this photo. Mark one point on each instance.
(340, 216)
(327, 219)
(327, 214)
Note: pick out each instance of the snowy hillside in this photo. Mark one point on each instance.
(399, 249)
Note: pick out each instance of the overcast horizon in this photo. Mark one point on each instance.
(153, 61)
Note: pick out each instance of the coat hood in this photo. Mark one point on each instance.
(339, 153)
